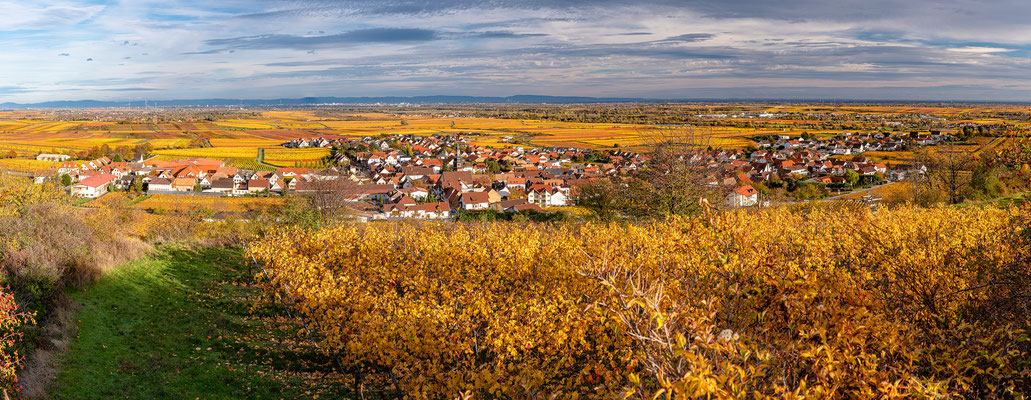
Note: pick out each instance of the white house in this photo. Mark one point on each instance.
(223, 185)
(160, 184)
(743, 196)
(53, 157)
(416, 193)
(475, 201)
(92, 187)
(547, 196)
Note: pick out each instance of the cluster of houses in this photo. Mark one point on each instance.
(302, 143)
(95, 178)
(738, 170)
(848, 143)
(436, 177)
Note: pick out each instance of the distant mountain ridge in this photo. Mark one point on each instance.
(527, 99)
(441, 99)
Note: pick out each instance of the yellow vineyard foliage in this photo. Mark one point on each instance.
(18, 192)
(817, 302)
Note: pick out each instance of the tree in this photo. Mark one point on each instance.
(948, 170)
(674, 178)
(600, 197)
(324, 201)
(984, 184)
(66, 180)
(137, 184)
(142, 150)
(852, 177)
(286, 183)
(493, 166)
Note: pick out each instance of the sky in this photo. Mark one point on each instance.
(664, 49)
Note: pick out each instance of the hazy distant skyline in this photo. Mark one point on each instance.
(877, 49)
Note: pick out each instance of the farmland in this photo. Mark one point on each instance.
(562, 334)
(253, 139)
(162, 203)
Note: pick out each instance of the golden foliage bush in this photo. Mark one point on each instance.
(810, 302)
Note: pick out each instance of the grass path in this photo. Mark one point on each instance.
(182, 324)
(261, 159)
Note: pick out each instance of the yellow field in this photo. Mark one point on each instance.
(237, 139)
(282, 157)
(280, 153)
(245, 142)
(26, 165)
(894, 157)
(186, 203)
(244, 124)
(890, 192)
(110, 200)
(211, 152)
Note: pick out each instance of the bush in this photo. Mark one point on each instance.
(519, 216)
(814, 301)
(47, 246)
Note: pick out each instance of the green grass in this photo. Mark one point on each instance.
(183, 324)
(137, 199)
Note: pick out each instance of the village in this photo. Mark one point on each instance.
(439, 177)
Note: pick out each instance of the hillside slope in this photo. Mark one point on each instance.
(183, 324)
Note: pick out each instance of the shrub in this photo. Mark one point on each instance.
(808, 301)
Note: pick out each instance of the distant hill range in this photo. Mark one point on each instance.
(308, 101)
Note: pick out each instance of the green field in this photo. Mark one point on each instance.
(182, 324)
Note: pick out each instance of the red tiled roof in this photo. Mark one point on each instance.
(475, 197)
(746, 190)
(96, 180)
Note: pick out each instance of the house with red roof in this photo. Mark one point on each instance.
(183, 184)
(743, 196)
(93, 186)
(68, 167)
(475, 200)
(258, 185)
(547, 196)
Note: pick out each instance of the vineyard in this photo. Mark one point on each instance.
(25, 165)
(237, 139)
(282, 157)
(179, 203)
(815, 302)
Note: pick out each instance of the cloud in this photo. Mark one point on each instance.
(979, 50)
(645, 48)
(502, 35)
(212, 51)
(689, 37)
(131, 89)
(12, 89)
(361, 36)
(35, 15)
